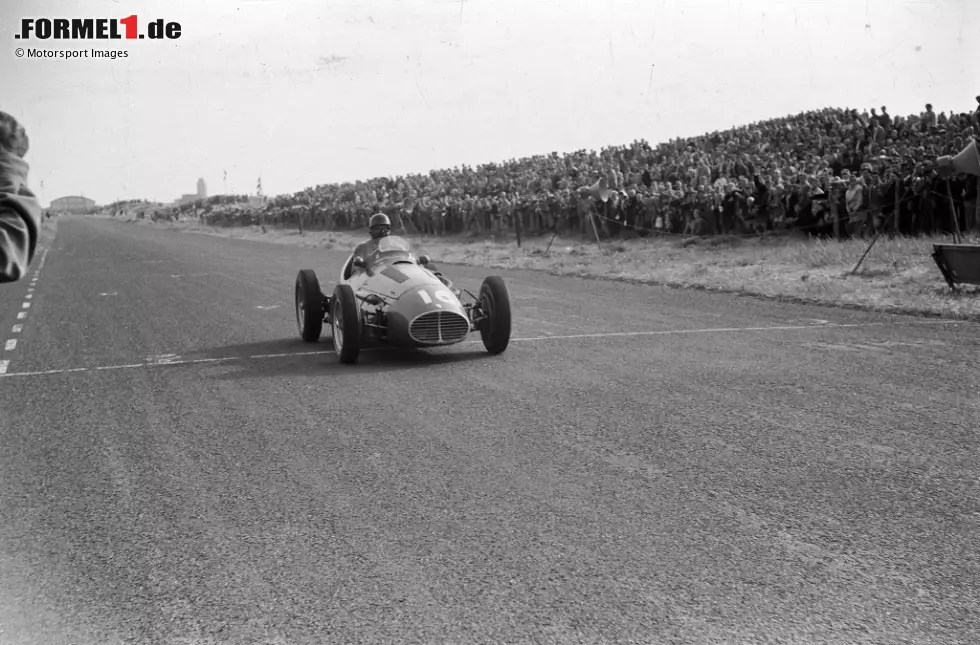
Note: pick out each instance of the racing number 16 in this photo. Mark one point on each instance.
(441, 294)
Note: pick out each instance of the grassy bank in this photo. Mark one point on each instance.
(898, 275)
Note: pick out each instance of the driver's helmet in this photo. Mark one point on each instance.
(380, 225)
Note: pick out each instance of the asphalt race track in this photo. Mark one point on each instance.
(642, 465)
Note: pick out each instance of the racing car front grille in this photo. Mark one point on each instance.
(438, 327)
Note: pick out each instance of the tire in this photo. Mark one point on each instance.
(309, 306)
(495, 303)
(345, 323)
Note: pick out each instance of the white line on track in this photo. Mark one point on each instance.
(721, 330)
(540, 322)
(11, 344)
(154, 362)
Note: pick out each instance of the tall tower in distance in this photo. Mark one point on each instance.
(202, 189)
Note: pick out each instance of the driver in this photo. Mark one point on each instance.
(380, 226)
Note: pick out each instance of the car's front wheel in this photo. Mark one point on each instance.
(496, 323)
(309, 306)
(345, 324)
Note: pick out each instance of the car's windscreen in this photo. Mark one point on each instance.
(390, 249)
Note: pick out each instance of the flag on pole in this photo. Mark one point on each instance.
(226, 175)
(259, 186)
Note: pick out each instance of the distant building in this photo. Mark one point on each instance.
(186, 199)
(73, 204)
(201, 194)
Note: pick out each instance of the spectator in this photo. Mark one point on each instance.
(836, 203)
(972, 222)
(20, 212)
(857, 217)
(885, 119)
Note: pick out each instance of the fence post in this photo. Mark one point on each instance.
(517, 227)
(596, 231)
(898, 204)
(952, 208)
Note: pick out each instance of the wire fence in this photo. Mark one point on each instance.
(824, 223)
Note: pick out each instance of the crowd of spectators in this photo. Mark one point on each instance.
(824, 172)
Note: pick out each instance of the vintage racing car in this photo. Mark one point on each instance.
(390, 296)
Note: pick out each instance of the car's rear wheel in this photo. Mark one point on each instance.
(495, 305)
(345, 324)
(309, 306)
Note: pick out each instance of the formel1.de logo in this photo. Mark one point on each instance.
(96, 29)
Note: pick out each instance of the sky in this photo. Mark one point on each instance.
(309, 92)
